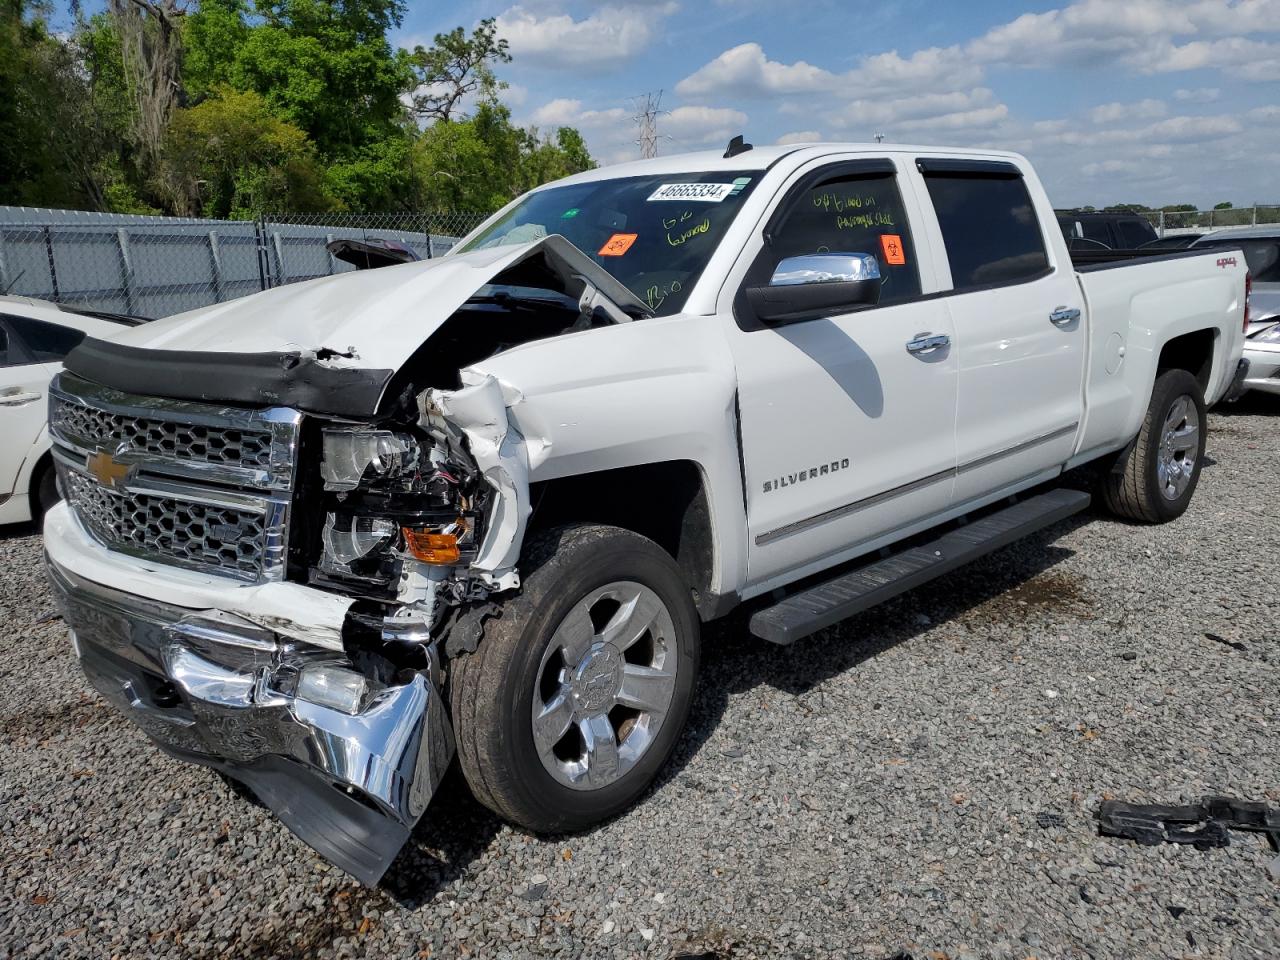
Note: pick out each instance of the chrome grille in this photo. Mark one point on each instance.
(190, 534)
(163, 438)
(187, 484)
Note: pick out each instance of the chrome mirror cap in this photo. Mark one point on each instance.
(825, 268)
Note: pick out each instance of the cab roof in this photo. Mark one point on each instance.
(761, 158)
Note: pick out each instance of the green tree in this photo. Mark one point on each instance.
(480, 163)
(1225, 205)
(323, 65)
(48, 150)
(111, 109)
(455, 67)
(231, 157)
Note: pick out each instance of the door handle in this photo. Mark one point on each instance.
(1064, 315)
(17, 399)
(927, 343)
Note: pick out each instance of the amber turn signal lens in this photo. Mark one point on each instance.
(431, 547)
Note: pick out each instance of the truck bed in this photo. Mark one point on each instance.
(1089, 261)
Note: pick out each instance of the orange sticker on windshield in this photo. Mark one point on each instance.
(891, 244)
(618, 244)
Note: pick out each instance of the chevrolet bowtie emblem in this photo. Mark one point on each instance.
(106, 469)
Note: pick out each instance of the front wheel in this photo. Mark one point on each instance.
(1156, 479)
(578, 692)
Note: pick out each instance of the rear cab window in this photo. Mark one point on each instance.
(989, 225)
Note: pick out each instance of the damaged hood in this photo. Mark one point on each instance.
(379, 316)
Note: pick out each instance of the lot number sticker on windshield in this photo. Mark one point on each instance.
(697, 192)
(617, 245)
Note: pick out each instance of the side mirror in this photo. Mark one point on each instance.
(817, 285)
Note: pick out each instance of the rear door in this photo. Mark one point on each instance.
(1019, 325)
(847, 435)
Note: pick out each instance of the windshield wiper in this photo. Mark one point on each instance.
(520, 301)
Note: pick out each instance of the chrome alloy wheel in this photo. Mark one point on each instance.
(605, 685)
(1179, 447)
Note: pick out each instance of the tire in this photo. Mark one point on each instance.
(579, 582)
(44, 492)
(1153, 483)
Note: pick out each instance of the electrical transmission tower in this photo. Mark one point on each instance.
(648, 107)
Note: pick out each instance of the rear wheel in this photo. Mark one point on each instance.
(1158, 476)
(578, 692)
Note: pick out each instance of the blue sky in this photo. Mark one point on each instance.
(1154, 101)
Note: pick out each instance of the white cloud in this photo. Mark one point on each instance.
(701, 125)
(862, 114)
(969, 121)
(1137, 110)
(799, 136)
(1198, 95)
(1143, 36)
(1236, 56)
(515, 95)
(1121, 169)
(607, 37)
(745, 71)
(925, 70)
(568, 112)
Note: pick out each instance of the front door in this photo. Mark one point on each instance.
(847, 433)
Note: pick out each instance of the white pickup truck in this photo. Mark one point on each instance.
(324, 537)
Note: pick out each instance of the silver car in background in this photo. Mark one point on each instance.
(1261, 247)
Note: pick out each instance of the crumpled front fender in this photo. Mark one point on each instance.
(478, 411)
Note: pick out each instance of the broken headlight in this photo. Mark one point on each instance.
(351, 455)
(391, 496)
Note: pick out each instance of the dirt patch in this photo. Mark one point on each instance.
(1045, 594)
(52, 721)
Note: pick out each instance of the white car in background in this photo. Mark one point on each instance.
(34, 337)
(1261, 248)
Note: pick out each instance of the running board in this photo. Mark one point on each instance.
(817, 607)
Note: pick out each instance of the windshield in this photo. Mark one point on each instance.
(653, 234)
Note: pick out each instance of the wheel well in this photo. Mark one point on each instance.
(1192, 352)
(666, 502)
(37, 474)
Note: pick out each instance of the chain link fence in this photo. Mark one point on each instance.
(158, 266)
(1173, 222)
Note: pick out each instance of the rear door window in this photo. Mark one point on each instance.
(46, 342)
(989, 227)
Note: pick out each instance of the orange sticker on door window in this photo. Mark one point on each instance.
(891, 244)
(618, 244)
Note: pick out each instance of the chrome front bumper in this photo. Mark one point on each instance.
(207, 687)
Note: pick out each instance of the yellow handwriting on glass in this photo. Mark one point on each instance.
(687, 235)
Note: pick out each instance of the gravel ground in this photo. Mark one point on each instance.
(920, 781)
